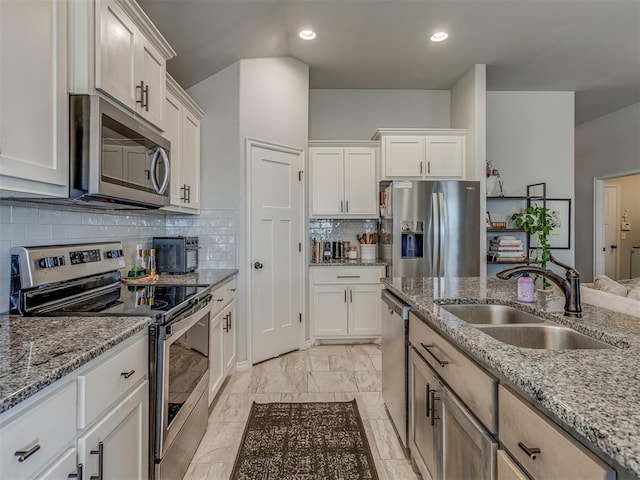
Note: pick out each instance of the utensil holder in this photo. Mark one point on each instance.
(368, 252)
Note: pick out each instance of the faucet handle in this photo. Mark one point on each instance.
(570, 270)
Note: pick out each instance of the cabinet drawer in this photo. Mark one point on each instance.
(230, 289)
(62, 467)
(106, 383)
(560, 457)
(47, 427)
(351, 275)
(218, 301)
(471, 383)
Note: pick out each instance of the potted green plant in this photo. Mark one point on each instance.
(536, 221)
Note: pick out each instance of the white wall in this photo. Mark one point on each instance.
(530, 139)
(608, 146)
(357, 114)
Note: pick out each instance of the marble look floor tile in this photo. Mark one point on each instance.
(387, 442)
(370, 404)
(243, 382)
(397, 470)
(350, 363)
(298, 361)
(332, 382)
(364, 349)
(308, 397)
(219, 471)
(319, 363)
(371, 439)
(328, 350)
(369, 381)
(198, 471)
(220, 444)
(376, 360)
(282, 382)
(274, 364)
(235, 407)
(381, 469)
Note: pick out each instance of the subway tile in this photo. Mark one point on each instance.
(35, 232)
(12, 232)
(24, 215)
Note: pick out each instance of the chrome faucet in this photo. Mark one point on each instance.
(570, 285)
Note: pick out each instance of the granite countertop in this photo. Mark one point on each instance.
(350, 263)
(593, 394)
(37, 351)
(213, 277)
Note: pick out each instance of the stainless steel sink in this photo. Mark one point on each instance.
(482, 313)
(547, 337)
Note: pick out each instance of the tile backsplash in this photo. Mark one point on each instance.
(340, 229)
(28, 224)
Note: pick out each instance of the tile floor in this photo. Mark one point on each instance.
(323, 373)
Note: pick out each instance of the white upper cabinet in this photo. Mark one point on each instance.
(422, 153)
(130, 58)
(182, 123)
(343, 182)
(33, 98)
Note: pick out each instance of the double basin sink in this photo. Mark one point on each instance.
(522, 329)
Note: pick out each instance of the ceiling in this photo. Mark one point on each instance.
(591, 47)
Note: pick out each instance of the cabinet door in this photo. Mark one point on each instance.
(424, 420)
(191, 158)
(360, 185)
(151, 69)
(173, 133)
(444, 156)
(507, 468)
(404, 156)
(364, 309)
(468, 451)
(216, 355)
(229, 338)
(61, 468)
(330, 309)
(327, 181)
(34, 155)
(124, 435)
(116, 53)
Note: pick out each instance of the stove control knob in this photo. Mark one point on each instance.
(120, 253)
(58, 261)
(113, 254)
(46, 262)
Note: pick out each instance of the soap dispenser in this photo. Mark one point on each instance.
(525, 288)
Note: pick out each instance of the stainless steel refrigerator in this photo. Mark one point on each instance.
(431, 229)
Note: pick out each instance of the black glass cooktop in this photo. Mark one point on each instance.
(135, 300)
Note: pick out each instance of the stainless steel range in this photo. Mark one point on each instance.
(85, 280)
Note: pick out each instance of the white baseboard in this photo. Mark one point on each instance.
(242, 366)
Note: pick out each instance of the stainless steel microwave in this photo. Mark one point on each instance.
(115, 159)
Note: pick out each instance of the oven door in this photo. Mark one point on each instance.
(182, 374)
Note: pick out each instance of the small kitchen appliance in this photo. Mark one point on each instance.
(77, 280)
(176, 255)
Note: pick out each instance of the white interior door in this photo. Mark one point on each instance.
(611, 255)
(276, 262)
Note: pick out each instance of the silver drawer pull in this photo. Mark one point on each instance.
(100, 452)
(441, 362)
(219, 299)
(127, 374)
(24, 454)
(232, 289)
(531, 452)
(347, 276)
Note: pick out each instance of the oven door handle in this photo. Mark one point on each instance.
(188, 320)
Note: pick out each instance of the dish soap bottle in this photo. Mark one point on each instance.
(525, 288)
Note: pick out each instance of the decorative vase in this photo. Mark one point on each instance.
(492, 181)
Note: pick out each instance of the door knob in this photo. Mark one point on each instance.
(614, 246)
(257, 265)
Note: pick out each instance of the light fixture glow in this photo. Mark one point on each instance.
(307, 34)
(439, 36)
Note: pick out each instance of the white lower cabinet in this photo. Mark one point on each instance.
(117, 445)
(45, 436)
(345, 301)
(222, 336)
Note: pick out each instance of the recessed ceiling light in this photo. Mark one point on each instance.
(439, 36)
(307, 34)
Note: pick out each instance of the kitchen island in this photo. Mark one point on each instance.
(591, 394)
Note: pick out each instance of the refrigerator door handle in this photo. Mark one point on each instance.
(435, 249)
(442, 230)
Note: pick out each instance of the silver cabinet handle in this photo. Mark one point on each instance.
(433, 408)
(420, 168)
(345, 296)
(427, 400)
(188, 193)
(341, 206)
(532, 452)
(347, 276)
(127, 374)
(141, 87)
(232, 289)
(428, 168)
(350, 295)
(77, 474)
(100, 453)
(24, 454)
(427, 347)
(347, 202)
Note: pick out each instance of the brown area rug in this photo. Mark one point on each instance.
(304, 441)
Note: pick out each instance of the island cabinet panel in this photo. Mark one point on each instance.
(64, 466)
(541, 447)
(507, 468)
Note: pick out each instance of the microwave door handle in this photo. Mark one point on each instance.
(160, 189)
